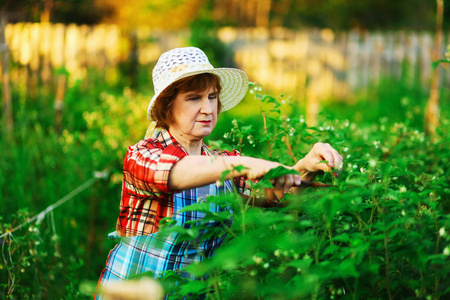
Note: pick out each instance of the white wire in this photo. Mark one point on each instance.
(40, 216)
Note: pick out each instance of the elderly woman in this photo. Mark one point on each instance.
(173, 168)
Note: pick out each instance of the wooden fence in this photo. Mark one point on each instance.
(310, 63)
(332, 64)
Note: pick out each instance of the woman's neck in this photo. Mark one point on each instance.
(192, 147)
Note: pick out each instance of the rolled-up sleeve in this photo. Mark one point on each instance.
(147, 166)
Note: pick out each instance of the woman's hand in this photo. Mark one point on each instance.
(285, 182)
(281, 184)
(311, 164)
(259, 167)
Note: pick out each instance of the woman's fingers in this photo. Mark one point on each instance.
(338, 163)
(336, 167)
(282, 183)
(325, 152)
(328, 153)
(279, 183)
(286, 182)
(312, 163)
(337, 158)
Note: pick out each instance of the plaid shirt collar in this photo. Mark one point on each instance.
(166, 139)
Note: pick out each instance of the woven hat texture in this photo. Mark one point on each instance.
(179, 63)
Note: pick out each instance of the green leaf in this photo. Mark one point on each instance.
(196, 287)
(357, 181)
(224, 175)
(437, 259)
(239, 168)
(347, 268)
(330, 249)
(279, 171)
(342, 238)
(436, 63)
(301, 263)
(322, 162)
(203, 207)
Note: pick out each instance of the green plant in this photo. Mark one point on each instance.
(382, 232)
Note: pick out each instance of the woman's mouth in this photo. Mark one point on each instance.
(205, 122)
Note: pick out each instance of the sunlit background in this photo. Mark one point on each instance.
(311, 50)
(76, 81)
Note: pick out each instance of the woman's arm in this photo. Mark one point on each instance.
(195, 170)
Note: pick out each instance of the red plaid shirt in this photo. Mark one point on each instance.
(146, 197)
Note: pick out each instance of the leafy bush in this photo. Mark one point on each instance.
(63, 251)
(380, 233)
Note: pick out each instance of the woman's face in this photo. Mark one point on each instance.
(194, 114)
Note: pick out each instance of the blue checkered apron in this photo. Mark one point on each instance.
(139, 254)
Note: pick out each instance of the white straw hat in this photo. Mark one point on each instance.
(179, 63)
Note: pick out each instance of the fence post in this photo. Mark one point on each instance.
(59, 102)
(432, 111)
(5, 73)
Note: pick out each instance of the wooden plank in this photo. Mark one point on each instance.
(7, 105)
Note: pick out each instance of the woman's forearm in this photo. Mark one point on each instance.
(195, 170)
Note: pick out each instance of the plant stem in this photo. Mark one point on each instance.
(240, 136)
(422, 284)
(216, 288)
(39, 272)
(11, 277)
(285, 139)
(375, 205)
(228, 229)
(266, 129)
(386, 254)
(436, 278)
(355, 289)
(330, 235)
(319, 244)
(397, 141)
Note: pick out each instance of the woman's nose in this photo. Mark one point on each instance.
(206, 106)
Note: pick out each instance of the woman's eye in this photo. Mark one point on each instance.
(212, 97)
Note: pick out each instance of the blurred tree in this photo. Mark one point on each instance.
(432, 110)
(243, 13)
(4, 75)
(336, 14)
(47, 9)
(57, 11)
(204, 35)
(368, 14)
(157, 14)
(163, 14)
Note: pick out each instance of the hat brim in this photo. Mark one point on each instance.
(234, 84)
